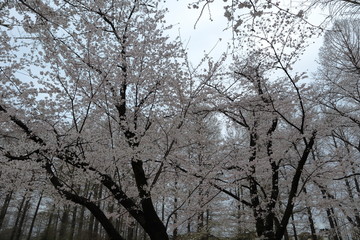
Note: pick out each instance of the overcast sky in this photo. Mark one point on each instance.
(206, 34)
(208, 31)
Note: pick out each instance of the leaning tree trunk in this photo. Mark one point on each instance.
(15, 228)
(5, 207)
(34, 217)
(22, 219)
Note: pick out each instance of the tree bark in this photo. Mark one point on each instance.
(64, 222)
(153, 225)
(330, 213)
(5, 207)
(22, 219)
(34, 217)
(92, 207)
(294, 186)
(294, 227)
(73, 223)
(96, 223)
(311, 221)
(48, 227)
(15, 228)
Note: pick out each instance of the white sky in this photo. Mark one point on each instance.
(207, 33)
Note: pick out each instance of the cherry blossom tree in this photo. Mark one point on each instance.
(267, 102)
(99, 108)
(94, 92)
(338, 98)
(340, 7)
(276, 147)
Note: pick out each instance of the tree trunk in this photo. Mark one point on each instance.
(152, 225)
(130, 231)
(48, 227)
(92, 207)
(175, 231)
(91, 226)
(311, 221)
(34, 217)
(163, 209)
(79, 234)
(64, 223)
(73, 223)
(55, 226)
(96, 223)
(22, 219)
(333, 224)
(294, 186)
(330, 213)
(15, 228)
(286, 235)
(351, 197)
(80, 220)
(207, 220)
(5, 207)
(294, 227)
